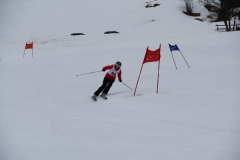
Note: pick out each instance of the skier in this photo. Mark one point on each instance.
(113, 71)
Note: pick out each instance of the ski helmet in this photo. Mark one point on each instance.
(119, 63)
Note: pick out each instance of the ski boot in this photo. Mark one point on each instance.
(104, 96)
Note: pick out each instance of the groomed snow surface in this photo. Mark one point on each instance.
(46, 111)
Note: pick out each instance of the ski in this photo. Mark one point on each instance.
(94, 98)
(103, 96)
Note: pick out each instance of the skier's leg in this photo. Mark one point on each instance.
(101, 88)
(109, 85)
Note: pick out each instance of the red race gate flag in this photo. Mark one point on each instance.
(28, 46)
(151, 56)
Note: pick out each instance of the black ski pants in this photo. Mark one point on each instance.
(105, 87)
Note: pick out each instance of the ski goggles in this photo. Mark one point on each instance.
(117, 66)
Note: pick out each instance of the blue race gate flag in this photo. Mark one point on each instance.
(173, 48)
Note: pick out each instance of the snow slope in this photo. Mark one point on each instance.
(46, 112)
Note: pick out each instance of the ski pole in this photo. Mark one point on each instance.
(87, 73)
(127, 86)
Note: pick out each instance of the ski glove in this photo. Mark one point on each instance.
(103, 70)
(120, 80)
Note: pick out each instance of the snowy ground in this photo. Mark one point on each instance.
(46, 112)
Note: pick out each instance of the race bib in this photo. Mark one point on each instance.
(113, 72)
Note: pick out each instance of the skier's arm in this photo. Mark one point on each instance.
(107, 67)
(120, 76)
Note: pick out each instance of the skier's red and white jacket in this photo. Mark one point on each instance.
(113, 72)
